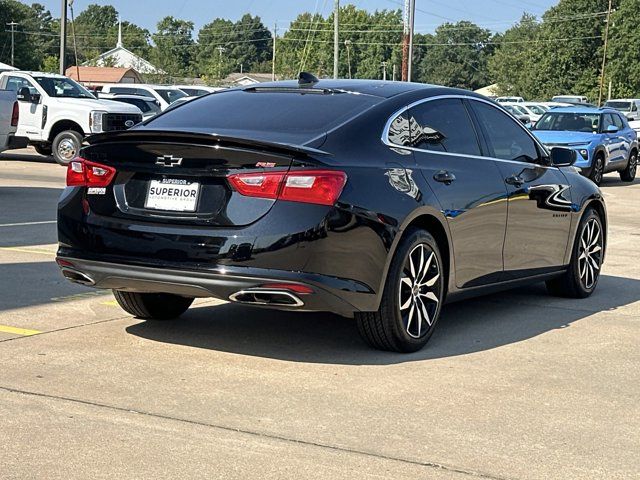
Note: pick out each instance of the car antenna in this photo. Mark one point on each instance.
(306, 79)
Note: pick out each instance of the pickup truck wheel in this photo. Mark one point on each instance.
(629, 173)
(66, 146)
(43, 149)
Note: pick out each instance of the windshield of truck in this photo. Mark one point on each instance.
(63, 87)
(622, 106)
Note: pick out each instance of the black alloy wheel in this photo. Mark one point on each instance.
(597, 171)
(412, 298)
(582, 276)
(629, 173)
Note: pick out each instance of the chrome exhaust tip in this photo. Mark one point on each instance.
(267, 297)
(78, 277)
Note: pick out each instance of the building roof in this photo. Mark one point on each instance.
(101, 74)
(248, 78)
(4, 67)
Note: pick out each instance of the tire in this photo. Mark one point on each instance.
(65, 146)
(153, 306)
(629, 173)
(597, 170)
(576, 281)
(43, 150)
(407, 329)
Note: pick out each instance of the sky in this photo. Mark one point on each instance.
(496, 15)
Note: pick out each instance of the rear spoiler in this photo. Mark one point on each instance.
(200, 138)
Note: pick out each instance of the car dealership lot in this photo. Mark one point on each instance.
(512, 386)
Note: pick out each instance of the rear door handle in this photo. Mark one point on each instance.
(444, 177)
(515, 180)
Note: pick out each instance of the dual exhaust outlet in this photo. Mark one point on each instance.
(254, 296)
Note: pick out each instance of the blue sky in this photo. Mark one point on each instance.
(496, 15)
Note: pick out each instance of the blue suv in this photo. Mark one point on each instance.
(602, 137)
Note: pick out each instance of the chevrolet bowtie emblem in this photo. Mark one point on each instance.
(168, 161)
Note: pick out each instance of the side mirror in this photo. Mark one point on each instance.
(24, 95)
(35, 98)
(611, 129)
(563, 157)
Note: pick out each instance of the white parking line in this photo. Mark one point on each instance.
(26, 223)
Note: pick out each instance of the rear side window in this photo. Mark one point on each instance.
(506, 138)
(617, 121)
(288, 117)
(443, 126)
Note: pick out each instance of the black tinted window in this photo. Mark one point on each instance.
(276, 116)
(506, 138)
(443, 126)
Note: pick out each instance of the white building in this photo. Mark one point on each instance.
(121, 57)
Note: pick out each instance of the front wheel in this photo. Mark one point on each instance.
(153, 306)
(629, 173)
(411, 299)
(66, 146)
(581, 278)
(597, 171)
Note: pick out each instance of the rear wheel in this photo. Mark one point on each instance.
(411, 300)
(629, 173)
(66, 146)
(580, 280)
(597, 171)
(153, 306)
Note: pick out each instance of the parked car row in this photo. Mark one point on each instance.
(57, 113)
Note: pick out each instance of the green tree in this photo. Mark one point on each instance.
(512, 66)
(623, 62)
(174, 46)
(456, 56)
(34, 35)
(245, 44)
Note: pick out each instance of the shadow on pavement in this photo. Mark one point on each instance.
(28, 205)
(29, 156)
(613, 180)
(471, 326)
(35, 283)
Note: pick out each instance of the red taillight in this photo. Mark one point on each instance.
(15, 114)
(83, 173)
(322, 187)
(293, 287)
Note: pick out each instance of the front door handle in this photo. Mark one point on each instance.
(444, 177)
(515, 180)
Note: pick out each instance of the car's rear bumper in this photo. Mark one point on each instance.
(241, 284)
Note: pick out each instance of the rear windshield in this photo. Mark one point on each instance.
(170, 95)
(286, 117)
(624, 106)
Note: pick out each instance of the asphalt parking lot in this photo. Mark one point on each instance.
(517, 385)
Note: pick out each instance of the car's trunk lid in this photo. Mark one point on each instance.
(181, 177)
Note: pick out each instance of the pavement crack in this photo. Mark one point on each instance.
(271, 436)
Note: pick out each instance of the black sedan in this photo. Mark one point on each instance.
(374, 200)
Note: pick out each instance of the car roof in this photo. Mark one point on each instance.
(378, 88)
(581, 109)
(36, 74)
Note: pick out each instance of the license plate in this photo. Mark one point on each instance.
(173, 195)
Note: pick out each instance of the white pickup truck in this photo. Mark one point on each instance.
(56, 113)
(9, 116)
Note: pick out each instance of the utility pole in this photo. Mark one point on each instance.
(221, 50)
(394, 73)
(412, 16)
(75, 46)
(384, 71)
(347, 43)
(336, 52)
(63, 36)
(604, 56)
(273, 55)
(13, 25)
